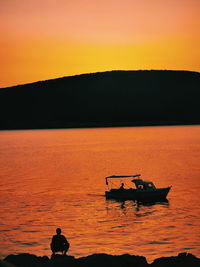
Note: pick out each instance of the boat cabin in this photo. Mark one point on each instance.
(143, 185)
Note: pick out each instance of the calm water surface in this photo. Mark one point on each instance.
(55, 178)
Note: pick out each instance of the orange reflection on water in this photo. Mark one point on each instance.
(55, 178)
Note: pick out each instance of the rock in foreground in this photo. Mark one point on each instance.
(182, 260)
(101, 260)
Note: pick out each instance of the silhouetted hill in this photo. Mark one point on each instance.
(103, 99)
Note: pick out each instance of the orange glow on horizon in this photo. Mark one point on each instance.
(60, 38)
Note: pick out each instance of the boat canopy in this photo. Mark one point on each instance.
(139, 183)
(122, 176)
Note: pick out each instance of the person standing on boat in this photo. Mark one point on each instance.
(59, 243)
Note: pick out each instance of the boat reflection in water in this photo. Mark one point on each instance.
(144, 191)
(134, 208)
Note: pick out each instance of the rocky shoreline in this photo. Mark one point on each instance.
(99, 260)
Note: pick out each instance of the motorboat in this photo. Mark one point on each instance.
(142, 190)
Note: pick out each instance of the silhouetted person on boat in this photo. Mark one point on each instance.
(59, 243)
(122, 186)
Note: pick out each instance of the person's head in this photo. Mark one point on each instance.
(122, 184)
(58, 231)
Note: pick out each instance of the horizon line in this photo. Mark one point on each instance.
(89, 73)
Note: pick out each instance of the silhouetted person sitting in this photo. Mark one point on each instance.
(122, 186)
(59, 243)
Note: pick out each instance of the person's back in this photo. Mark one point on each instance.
(59, 242)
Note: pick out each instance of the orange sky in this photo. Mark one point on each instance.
(43, 39)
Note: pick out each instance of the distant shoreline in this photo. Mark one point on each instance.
(104, 99)
(96, 126)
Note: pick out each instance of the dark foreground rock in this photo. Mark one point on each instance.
(105, 260)
(100, 260)
(182, 260)
(26, 259)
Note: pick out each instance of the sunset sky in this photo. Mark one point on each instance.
(44, 39)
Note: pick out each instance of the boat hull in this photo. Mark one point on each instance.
(140, 195)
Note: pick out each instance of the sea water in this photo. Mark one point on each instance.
(56, 178)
